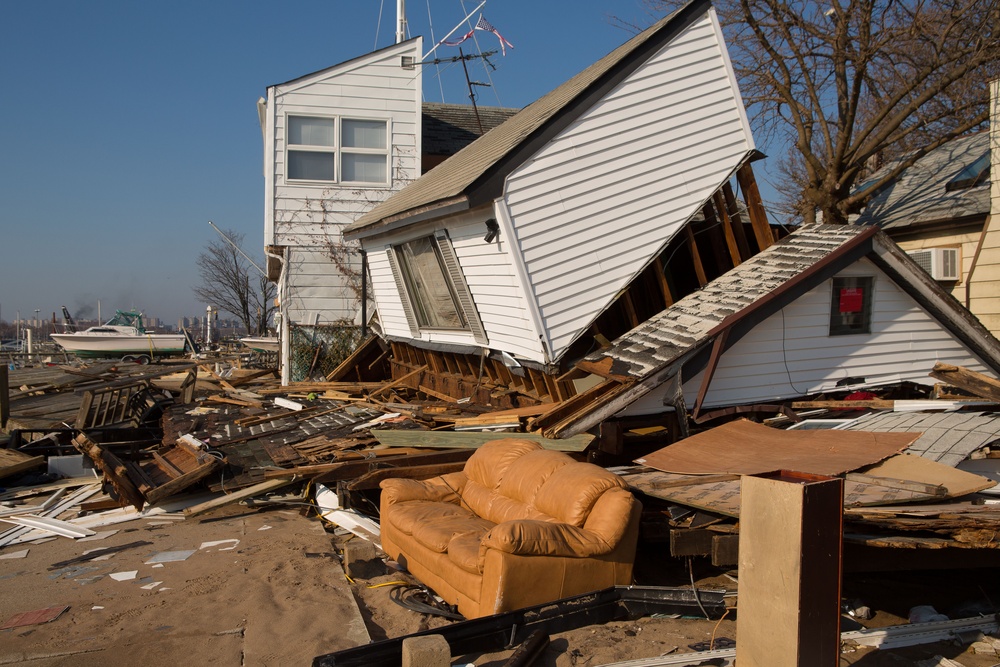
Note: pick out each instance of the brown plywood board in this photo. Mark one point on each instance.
(743, 447)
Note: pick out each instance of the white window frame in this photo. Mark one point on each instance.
(453, 277)
(338, 150)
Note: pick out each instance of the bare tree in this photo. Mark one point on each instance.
(231, 283)
(852, 84)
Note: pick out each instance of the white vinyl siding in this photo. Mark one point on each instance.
(791, 353)
(593, 207)
(307, 216)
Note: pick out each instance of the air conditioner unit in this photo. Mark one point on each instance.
(940, 263)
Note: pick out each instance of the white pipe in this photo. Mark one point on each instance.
(400, 21)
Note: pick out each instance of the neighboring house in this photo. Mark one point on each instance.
(940, 211)
(828, 308)
(337, 142)
(579, 218)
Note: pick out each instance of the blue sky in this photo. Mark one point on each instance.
(125, 126)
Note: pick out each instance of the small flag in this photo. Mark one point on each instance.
(486, 26)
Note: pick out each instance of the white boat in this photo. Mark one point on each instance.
(122, 336)
(262, 343)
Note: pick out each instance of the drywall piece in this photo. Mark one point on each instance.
(791, 527)
(170, 556)
(15, 554)
(286, 403)
(150, 586)
(124, 576)
(350, 520)
(218, 543)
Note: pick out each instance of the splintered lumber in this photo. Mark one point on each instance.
(512, 416)
(473, 439)
(113, 468)
(236, 496)
(971, 381)
(399, 381)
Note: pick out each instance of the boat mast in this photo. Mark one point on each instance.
(400, 21)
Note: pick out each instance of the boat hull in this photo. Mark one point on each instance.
(83, 345)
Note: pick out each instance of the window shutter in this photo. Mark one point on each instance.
(461, 287)
(404, 298)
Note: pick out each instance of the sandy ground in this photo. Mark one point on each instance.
(280, 597)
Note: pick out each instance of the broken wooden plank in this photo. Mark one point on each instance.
(473, 439)
(969, 380)
(236, 496)
(877, 404)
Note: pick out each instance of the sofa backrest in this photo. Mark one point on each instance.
(516, 479)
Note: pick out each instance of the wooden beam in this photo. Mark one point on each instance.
(727, 228)
(758, 216)
(236, 496)
(699, 270)
(399, 381)
(661, 279)
(878, 404)
(971, 381)
(732, 208)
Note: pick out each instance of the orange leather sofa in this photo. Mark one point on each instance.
(519, 526)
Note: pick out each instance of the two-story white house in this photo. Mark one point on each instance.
(336, 143)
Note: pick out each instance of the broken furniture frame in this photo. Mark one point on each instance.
(503, 631)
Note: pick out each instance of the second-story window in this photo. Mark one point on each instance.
(338, 150)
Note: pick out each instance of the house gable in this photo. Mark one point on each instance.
(601, 199)
(792, 353)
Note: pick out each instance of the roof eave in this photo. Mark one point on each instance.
(399, 221)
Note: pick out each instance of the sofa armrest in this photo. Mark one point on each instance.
(445, 488)
(527, 537)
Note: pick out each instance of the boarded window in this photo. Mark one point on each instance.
(851, 306)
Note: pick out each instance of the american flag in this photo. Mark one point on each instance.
(482, 24)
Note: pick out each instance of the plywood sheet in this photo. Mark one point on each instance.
(746, 448)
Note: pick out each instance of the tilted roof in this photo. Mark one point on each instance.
(920, 195)
(474, 175)
(691, 322)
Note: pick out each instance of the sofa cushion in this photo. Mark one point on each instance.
(415, 515)
(488, 464)
(437, 535)
(463, 551)
(570, 492)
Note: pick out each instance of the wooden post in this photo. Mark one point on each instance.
(791, 527)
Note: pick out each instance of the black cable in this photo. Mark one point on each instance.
(405, 596)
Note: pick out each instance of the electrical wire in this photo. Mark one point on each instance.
(697, 597)
(406, 597)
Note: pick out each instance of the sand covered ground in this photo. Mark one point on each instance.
(267, 588)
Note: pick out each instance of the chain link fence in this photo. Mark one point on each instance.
(317, 350)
